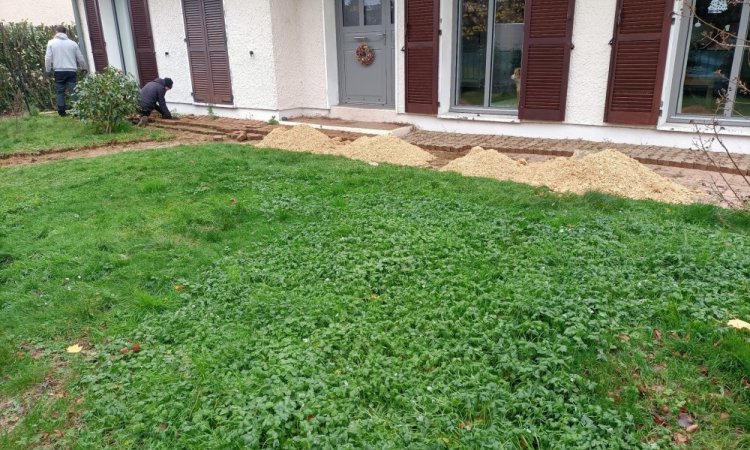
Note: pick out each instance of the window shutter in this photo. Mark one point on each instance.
(547, 44)
(143, 38)
(422, 35)
(96, 35)
(218, 57)
(638, 59)
(207, 51)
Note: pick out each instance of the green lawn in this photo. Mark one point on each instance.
(296, 301)
(38, 133)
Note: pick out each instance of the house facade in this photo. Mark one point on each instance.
(48, 12)
(627, 71)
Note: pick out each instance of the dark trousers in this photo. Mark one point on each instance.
(64, 81)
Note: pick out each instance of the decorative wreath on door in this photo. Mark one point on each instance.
(364, 54)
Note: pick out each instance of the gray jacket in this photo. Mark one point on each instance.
(63, 55)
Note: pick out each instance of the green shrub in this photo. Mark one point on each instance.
(106, 99)
(23, 85)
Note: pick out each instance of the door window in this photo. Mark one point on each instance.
(373, 12)
(350, 12)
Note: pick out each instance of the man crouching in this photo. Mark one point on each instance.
(152, 97)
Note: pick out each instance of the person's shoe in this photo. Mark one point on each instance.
(62, 112)
(143, 121)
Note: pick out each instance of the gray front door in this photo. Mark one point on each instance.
(366, 22)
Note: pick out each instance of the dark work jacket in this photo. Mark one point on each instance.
(152, 97)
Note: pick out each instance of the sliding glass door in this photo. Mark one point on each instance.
(716, 61)
(490, 43)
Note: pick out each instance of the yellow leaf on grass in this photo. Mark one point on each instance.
(739, 324)
(74, 349)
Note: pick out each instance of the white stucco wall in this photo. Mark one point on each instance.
(249, 29)
(50, 12)
(170, 48)
(250, 49)
(300, 54)
(589, 61)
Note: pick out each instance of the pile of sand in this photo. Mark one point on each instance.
(300, 139)
(387, 149)
(486, 163)
(608, 171)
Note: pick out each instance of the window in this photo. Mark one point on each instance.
(716, 61)
(488, 69)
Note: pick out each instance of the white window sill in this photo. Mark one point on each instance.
(214, 105)
(497, 118)
(724, 130)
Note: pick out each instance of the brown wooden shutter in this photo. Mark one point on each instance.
(547, 43)
(638, 60)
(96, 35)
(207, 51)
(422, 43)
(145, 55)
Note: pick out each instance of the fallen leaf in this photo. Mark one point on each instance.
(136, 347)
(692, 428)
(233, 201)
(179, 287)
(717, 343)
(124, 350)
(679, 438)
(739, 324)
(657, 335)
(623, 337)
(746, 383)
(685, 420)
(724, 416)
(659, 420)
(659, 367)
(58, 433)
(704, 371)
(74, 349)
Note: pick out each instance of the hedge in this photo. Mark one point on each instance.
(23, 86)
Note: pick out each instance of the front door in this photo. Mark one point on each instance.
(368, 22)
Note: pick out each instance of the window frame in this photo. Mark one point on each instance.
(680, 67)
(489, 61)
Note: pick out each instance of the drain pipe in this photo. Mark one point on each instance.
(81, 33)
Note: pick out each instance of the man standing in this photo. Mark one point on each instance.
(152, 97)
(63, 57)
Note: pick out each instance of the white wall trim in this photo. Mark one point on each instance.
(330, 52)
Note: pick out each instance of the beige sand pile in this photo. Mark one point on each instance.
(300, 138)
(608, 171)
(611, 172)
(387, 149)
(486, 163)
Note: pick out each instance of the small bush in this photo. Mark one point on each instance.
(106, 99)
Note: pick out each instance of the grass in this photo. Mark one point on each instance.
(31, 134)
(296, 301)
